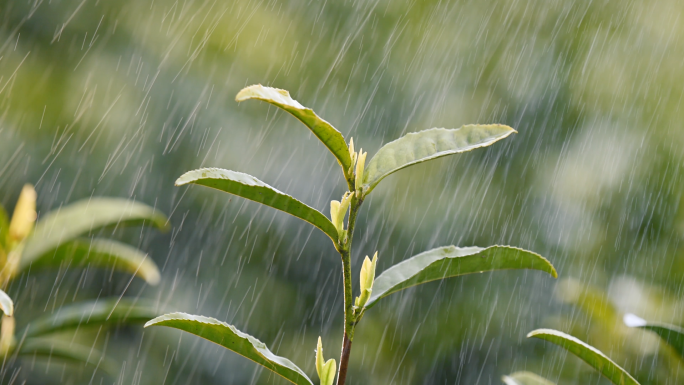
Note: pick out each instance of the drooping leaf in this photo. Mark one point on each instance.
(525, 378)
(251, 188)
(452, 261)
(673, 335)
(69, 222)
(109, 311)
(101, 253)
(51, 349)
(323, 130)
(417, 147)
(229, 337)
(588, 354)
(6, 304)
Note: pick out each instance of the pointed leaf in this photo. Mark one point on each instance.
(417, 147)
(6, 304)
(229, 337)
(525, 378)
(452, 261)
(251, 188)
(63, 350)
(673, 335)
(588, 354)
(110, 311)
(323, 130)
(101, 253)
(74, 220)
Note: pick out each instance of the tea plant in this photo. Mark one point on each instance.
(64, 238)
(361, 179)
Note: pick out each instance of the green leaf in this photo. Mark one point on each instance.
(82, 217)
(229, 337)
(323, 130)
(417, 147)
(101, 253)
(251, 188)
(588, 354)
(673, 335)
(6, 304)
(63, 350)
(452, 261)
(110, 311)
(525, 378)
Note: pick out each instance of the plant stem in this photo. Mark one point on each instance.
(349, 321)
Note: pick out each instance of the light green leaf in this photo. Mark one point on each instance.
(69, 222)
(110, 311)
(6, 304)
(63, 350)
(229, 337)
(588, 354)
(673, 335)
(101, 253)
(417, 147)
(452, 261)
(525, 378)
(251, 188)
(323, 130)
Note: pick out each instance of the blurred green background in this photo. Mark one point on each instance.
(120, 97)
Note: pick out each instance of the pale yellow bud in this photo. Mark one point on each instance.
(334, 214)
(352, 155)
(7, 341)
(326, 370)
(24, 214)
(367, 277)
(360, 168)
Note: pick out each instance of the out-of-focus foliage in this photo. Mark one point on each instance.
(119, 98)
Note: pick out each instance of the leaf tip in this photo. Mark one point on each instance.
(634, 321)
(247, 93)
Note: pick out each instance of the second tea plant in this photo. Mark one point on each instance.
(361, 178)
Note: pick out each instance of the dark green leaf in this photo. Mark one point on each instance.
(525, 378)
(229, 337)
(452, 261)
(588, 354)
(110, 311)
(673, 335)
(74, 220)
(417, 147)
(51, 349)
(251, 188)
(101, 253)
(323, 130)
